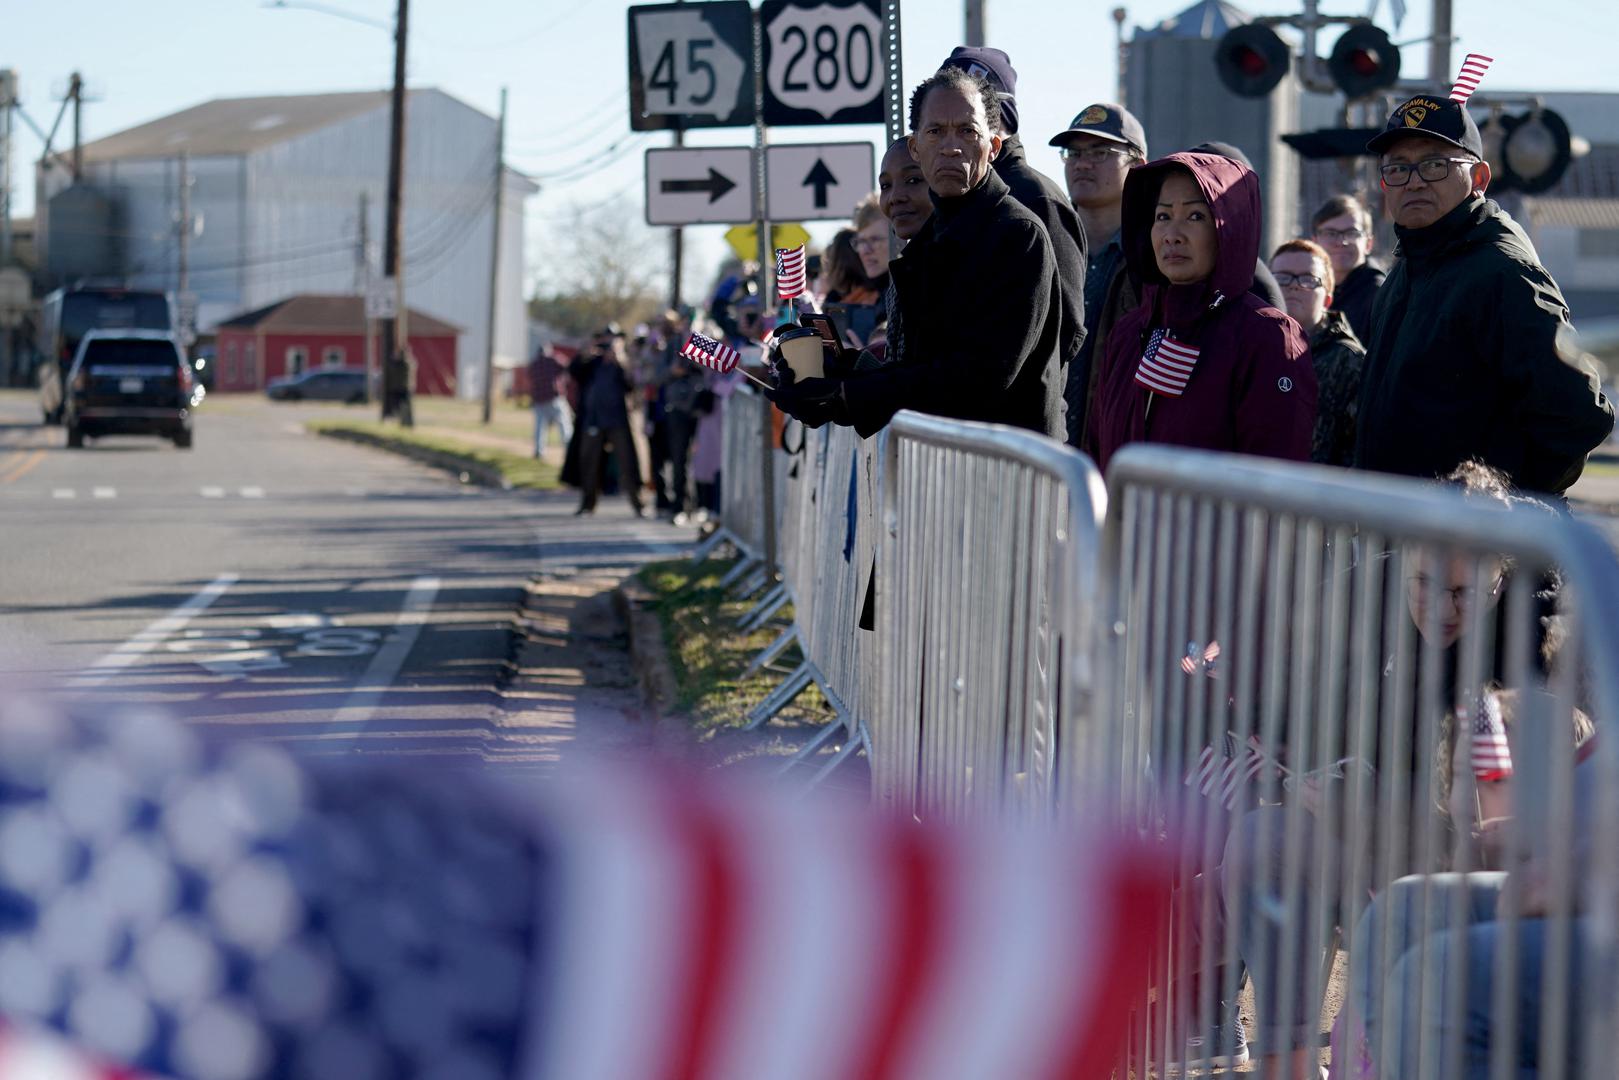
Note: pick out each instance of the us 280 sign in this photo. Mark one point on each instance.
(825, 61)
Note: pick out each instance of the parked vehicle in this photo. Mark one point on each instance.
(66, 315)
(129, 382)
(322, 384)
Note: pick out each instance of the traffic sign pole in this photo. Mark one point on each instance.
(767, 427)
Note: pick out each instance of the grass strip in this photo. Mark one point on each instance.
(482, 464)
(708, 653)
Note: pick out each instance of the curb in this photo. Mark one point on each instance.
(468, 469)
(649, 659)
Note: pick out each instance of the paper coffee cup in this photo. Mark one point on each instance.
(801, 348)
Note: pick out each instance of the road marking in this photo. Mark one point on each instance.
(252, 493)
(154, 635)
(379, 674)
(27, 465)
(64, 493)
(104, 493)
(213, 493)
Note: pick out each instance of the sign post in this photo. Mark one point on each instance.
(767, 426)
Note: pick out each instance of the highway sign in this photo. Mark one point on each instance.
(817, 180)
(744, 239)
(691, 65)
(826, 61)
(699, 185)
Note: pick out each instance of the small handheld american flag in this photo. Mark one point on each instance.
(790, 273)
(1490, 755)
(714, 355)
(1472, 73)
(1167, 365)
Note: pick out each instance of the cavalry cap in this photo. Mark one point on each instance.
(1105, 121)
(1433, 116)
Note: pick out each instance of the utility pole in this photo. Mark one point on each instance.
(1439, 70)
(362, 284)
(396, 375)
(8, 106)
(75, 93)
(1123, 52)
(183, 284)
(494, 259)
(976, 29)
(676, 241)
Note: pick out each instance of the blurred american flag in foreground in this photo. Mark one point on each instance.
(170, 908)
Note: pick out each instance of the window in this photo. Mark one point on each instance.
(332, 356)
(1599, 243)
(297, 359)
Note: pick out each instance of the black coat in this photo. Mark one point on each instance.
(604, 398)
(1354, 296)
(1041, 196)
(981, 302)
(1463, 363)
(1338, 359)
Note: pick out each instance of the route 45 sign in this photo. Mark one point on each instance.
(826, 61)
(691, 65)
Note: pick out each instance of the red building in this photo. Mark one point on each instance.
(305, 332)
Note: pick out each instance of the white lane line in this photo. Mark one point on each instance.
(103, 493)
(379, 675)
(252, 493)
(154, 635)
(64, 493)
(213, 493)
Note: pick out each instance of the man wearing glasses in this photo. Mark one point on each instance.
(1098, 148)
(1343, 227)
(1463, 362)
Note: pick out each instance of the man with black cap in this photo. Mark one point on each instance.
(604, 420)
(1098, 148)
(1463, 361)
(1046, 201)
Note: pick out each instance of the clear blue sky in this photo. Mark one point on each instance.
(564, 61)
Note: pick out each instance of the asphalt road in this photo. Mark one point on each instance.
(273, 583)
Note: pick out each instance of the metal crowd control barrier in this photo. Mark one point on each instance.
(1337, 699)
(742, 486)
(983, 595)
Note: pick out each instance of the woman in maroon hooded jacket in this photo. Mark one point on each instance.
(1201, 362)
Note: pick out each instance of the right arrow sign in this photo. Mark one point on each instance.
(817, 181)
(709, 185)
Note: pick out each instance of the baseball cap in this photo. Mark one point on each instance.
(1434, 116)
(995, 68)
(1105, 121)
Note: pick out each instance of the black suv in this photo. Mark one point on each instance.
(128, 382)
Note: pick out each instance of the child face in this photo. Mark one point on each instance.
(1441, 595)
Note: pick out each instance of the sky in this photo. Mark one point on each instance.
(564, 62)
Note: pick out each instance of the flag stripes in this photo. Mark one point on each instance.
(712, 354)
(1490, 754)
(790, 273)
(1167, 365)
(1472, 73)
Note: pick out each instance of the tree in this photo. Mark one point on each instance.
(603, 267)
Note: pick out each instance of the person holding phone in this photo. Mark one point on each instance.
(978, 290)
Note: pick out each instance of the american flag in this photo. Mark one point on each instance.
(790, 280)
(1472, 73)
(197, 911)
(1490, 753)
(1223, 769)
(1167, 365)
(715, 355)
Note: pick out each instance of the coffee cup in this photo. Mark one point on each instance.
(802, 349)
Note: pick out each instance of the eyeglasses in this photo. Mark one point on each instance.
(1461, 596)
(1339, 236)
(1303, 281)
(1432, 170)
(1093, 155)
(867, 243)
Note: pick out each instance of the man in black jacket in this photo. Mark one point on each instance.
(1343, 226)
(1046, 201)
(1463, 361)
(978, 288)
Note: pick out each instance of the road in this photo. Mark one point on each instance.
(273, 583)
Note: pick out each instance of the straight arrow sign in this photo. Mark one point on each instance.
(817, 181)
(716, 185)
(820, 178)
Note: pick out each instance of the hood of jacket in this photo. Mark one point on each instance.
(1232, 191)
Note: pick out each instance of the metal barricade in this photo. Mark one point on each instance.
(983, 594)
(1337, 699)
(742, 518)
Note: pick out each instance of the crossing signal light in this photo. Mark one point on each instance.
(1251, 59)
(1364, 61)
(1535, 150)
